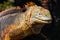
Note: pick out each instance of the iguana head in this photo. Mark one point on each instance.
(37, 16)
(41, 15)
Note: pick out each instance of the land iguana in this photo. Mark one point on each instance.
(23, 24)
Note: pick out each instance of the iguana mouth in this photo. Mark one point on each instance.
(46, 21)
(43, 19)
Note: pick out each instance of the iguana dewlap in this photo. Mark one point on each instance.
(24, 24)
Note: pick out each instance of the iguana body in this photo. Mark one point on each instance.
(22, 24)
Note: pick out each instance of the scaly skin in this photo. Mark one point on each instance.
(22, 24)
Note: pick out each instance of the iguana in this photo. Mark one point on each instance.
(23, 24)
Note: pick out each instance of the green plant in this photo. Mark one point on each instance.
(5, 5)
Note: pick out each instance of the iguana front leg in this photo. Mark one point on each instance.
(14, 34)
(17, 34)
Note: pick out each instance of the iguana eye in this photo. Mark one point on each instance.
(45, 15)
(39, 13)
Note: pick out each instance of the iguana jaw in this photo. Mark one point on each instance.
(42, 19)
(45, 19)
